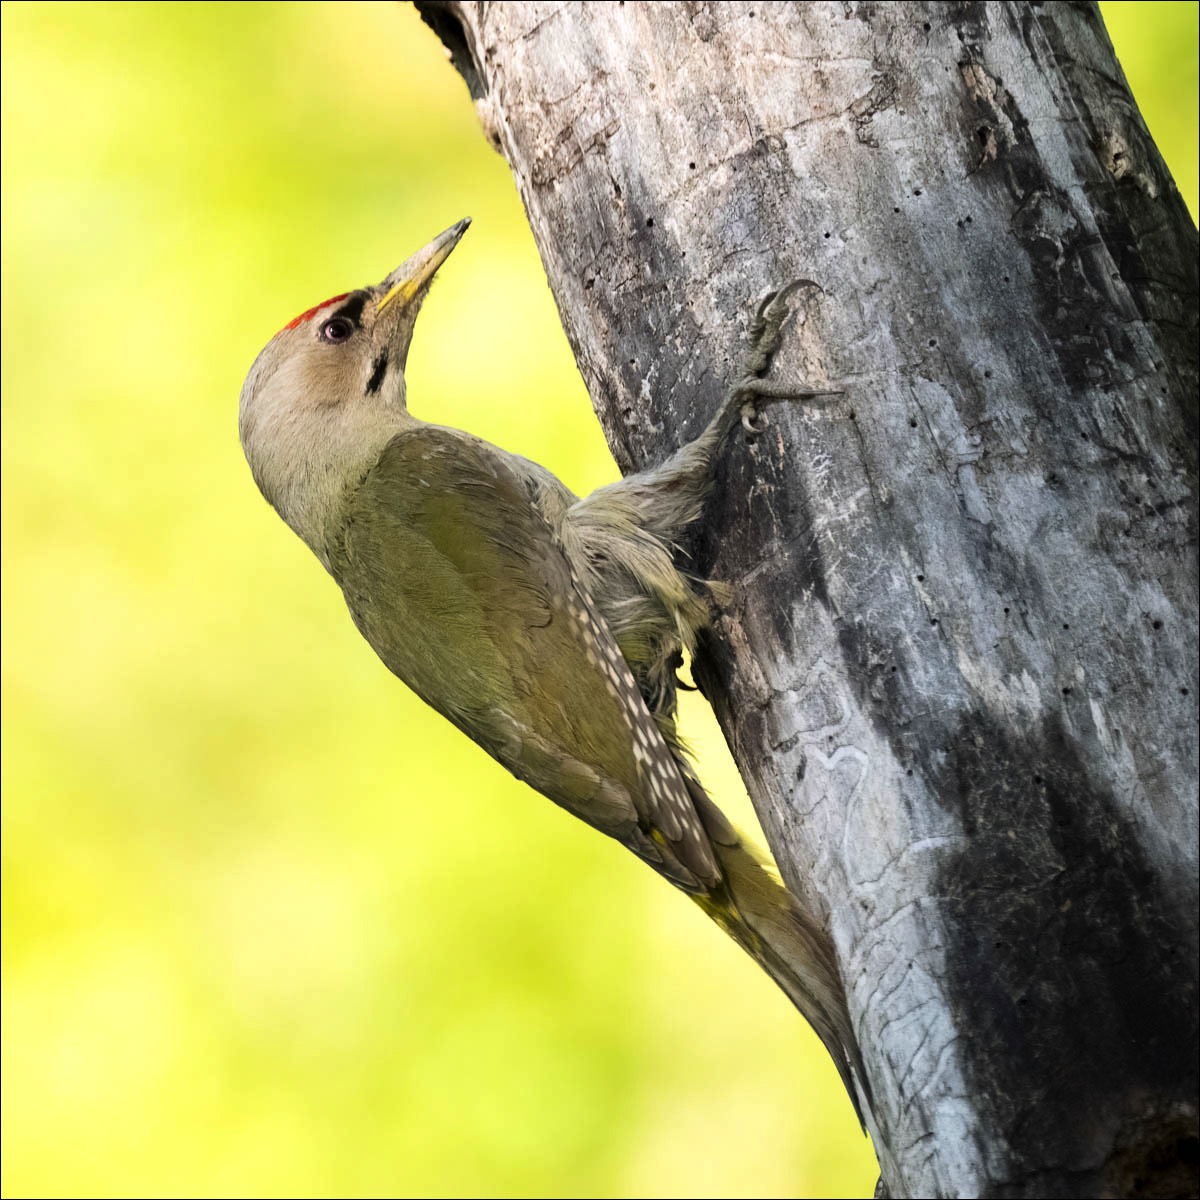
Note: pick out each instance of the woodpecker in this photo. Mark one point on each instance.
(547, 627)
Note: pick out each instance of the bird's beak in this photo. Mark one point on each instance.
(413, 275)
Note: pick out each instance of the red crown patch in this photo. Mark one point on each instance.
(304, 316)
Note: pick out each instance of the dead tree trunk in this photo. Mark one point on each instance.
(960, 673)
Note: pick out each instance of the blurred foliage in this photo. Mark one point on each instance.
(271, 927)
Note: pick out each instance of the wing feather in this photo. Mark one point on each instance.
(459, 584)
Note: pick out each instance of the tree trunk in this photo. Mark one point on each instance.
(960, 671)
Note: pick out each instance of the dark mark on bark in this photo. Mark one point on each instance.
(1057, 914)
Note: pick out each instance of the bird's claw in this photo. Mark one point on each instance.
(752, 420)
(774, 303)
(764, 336)
(766, 329)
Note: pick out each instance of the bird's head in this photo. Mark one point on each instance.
(327, 392)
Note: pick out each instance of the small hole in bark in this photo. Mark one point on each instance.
(933, 341)
(1006, 612)
(916, 191)
(1183, 691)
(933, 620)
(1038, 780)
(909, 771)
(968, 220)
(1006, 279)
(927, 27)
(649, 222)
(691, 166)
(589, 284)
(852, 414)
(1066, 626)
(1066, 691)
(826, 234)
(913, 422)
(920, 578)
(894, 668)
(895, 210)
(1157, 624)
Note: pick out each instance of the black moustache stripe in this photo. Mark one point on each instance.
(378, 371)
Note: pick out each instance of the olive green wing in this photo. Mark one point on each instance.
(459, 584)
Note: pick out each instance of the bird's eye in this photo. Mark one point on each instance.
(336, 329)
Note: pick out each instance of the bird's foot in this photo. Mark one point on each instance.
(765, 335)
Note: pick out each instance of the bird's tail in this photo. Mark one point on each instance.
(767, 921)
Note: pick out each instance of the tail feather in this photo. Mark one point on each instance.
(767, 921)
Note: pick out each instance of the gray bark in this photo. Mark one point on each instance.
(960, 672)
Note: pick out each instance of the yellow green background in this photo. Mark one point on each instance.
(270, 927)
